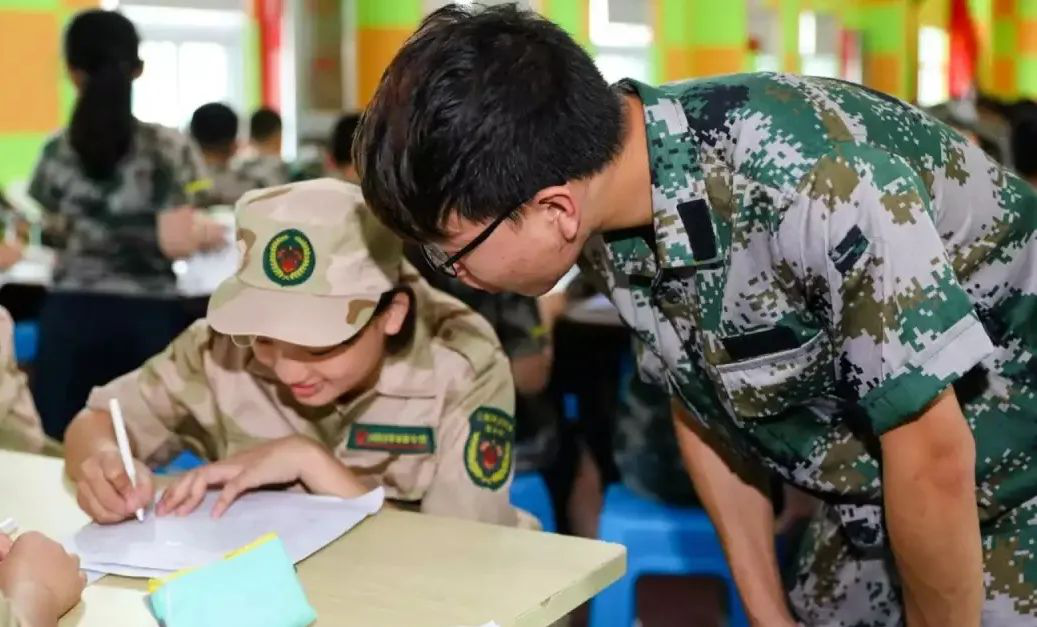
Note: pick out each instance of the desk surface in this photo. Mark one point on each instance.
(396, 568)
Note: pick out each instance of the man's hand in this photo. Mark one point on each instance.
(104, 490)
(183, 231)
(928, 468)
(39, 578)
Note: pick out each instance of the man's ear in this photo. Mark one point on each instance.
(396, 314)
(560, 208)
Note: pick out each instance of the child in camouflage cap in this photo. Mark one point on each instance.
(326, 360)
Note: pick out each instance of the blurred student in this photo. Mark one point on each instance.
(119, 190)
(340, 148)
(214, 128)
(326, 361)
(260, 162)
(39, 581)
(20, 428)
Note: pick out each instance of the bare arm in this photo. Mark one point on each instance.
(928, 471)
(737, 502)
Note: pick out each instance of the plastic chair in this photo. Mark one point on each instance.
(26, 339)
(529, 492)
(184, 461)
(660, 540)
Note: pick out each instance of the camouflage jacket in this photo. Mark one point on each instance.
(436, 430)
(823, 261)
(261, 170)
(111, 243)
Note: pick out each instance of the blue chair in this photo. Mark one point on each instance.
(184, 461)
(529, 492)
(660, 540)
(26, 339)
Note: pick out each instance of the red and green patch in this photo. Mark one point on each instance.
(489, 450)
(289, 258)
(392, 439)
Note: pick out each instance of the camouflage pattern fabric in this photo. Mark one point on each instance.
(841, 585)
(20, 428)
(823, 261)
(516, 320)
(108, 226)
(262, 170)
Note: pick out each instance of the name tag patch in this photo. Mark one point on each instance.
(391, 439)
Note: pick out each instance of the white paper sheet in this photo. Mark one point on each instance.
(160, 545)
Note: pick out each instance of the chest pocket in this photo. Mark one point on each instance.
(770, 372)
(394, 446)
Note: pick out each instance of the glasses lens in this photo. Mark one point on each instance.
(437, 258)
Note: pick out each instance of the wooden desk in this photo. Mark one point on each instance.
(396, 568)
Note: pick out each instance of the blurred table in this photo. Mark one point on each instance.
(395, 568)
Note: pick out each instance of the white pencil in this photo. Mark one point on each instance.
(8, 526)
(124, 447)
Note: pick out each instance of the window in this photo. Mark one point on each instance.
(933, 66)
(191, 56)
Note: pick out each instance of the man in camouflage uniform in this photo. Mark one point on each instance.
(832, 285)
(260, 162)
(326, 356)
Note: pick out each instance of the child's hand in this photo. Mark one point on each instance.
(104, 490)
(275, 462)
(40, 579)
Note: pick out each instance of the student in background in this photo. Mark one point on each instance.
(118, 189)
(39, 581)
(214, 128)
(260, 162)
(326, 360)
(340, 148)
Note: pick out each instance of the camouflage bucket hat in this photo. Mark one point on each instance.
(313, 263)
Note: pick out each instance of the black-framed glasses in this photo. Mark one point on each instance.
(444, 263)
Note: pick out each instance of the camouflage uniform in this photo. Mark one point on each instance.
(225, 186)
(436, 430)
(20, 428)
(261, 170)
(516, 320)
(111, 244)
(824, 260)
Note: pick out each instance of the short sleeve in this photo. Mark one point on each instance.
(159, 399)
(186, 165)
(861, 241)
(475, 446)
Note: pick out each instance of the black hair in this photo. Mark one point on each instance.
(481, 109)
(102, 45)
(263, 124)
(214, 126)
(1024, 139)
(340, 144)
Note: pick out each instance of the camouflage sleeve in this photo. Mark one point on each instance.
(476, 435)
(518, 326)
(185, 162)
(159, 399)
(20, 427)
(40, 187)
(861, 240)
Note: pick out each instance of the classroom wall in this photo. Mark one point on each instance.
(37, 95)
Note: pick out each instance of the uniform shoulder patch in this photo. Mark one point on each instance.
(489, 450)
(289, 258)
(399, 439)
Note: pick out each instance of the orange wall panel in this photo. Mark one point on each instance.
(376, 48)
(31, 70)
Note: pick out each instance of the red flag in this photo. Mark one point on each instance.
(964, 48)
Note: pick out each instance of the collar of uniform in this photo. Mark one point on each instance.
(685, 234)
